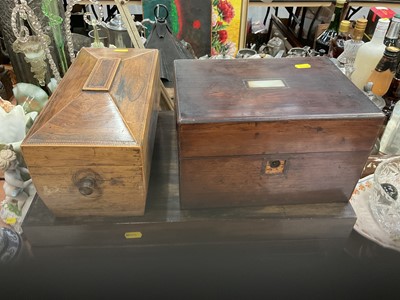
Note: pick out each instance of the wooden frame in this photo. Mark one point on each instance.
(243, 24)
(289, 38)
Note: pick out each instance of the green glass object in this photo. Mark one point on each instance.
(51, 11)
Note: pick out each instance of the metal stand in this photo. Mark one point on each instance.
(137, 43)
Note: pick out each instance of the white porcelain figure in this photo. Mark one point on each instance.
(30, 96)
(15, 187)
(13, 122)
(12, 127)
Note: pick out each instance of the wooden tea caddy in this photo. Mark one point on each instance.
(89, 152)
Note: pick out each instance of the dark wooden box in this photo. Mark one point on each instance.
(89, 152)
(276, 131)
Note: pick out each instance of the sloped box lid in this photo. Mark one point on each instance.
(102, 100)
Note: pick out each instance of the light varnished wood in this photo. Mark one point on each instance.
(97, 80)
(104, 137)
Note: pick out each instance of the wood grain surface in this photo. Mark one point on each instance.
(166, 223)
(315, 120)
(216, 91)
(89, 152)
(241, 180)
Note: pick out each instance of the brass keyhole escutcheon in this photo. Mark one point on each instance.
(273, 167)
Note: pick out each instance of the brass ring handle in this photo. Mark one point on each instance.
(86, 186)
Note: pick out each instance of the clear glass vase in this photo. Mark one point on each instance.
(385, 200)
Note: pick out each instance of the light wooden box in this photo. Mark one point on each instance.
(89, 152)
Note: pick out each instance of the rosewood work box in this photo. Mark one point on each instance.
(89, 152)
(271, 131)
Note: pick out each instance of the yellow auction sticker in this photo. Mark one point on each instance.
(121, 50)
(133, 235)
(302, 66)
(11, 221)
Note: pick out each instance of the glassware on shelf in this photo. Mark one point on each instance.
(377, 100)
(32, 41)
(390, 142)
(119, 36)
(99, 38)
(384, 201)
(336, 46)
(351, 47)
(67, 29)
(392, 35)
(393, 94)
(87, 19)
(369, 54)
(325, 37)
(35, 55)
(51, 11)
(382, 75)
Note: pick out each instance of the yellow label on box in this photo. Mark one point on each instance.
(121, 50)
(133, 235)
(11, 221)
(302, 66)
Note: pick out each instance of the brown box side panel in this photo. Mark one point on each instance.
(70, 155)
(151, 126)
(299, 136)
(117, 191)
(242, 181)
(96, 186)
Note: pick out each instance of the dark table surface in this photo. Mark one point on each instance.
(239, 253)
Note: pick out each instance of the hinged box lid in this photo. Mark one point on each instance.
(89, 152)
(223, 91)
(267, 106)
(102, 100)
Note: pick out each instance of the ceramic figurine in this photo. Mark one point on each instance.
(14, 123)
(15, 186)
(30, 96)
(12, 120)
(10, 245)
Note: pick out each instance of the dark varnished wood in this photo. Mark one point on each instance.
(241, 180)
(256, 138)
(98, 127)
(165, 223)
(318, 122)
(215, 91)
